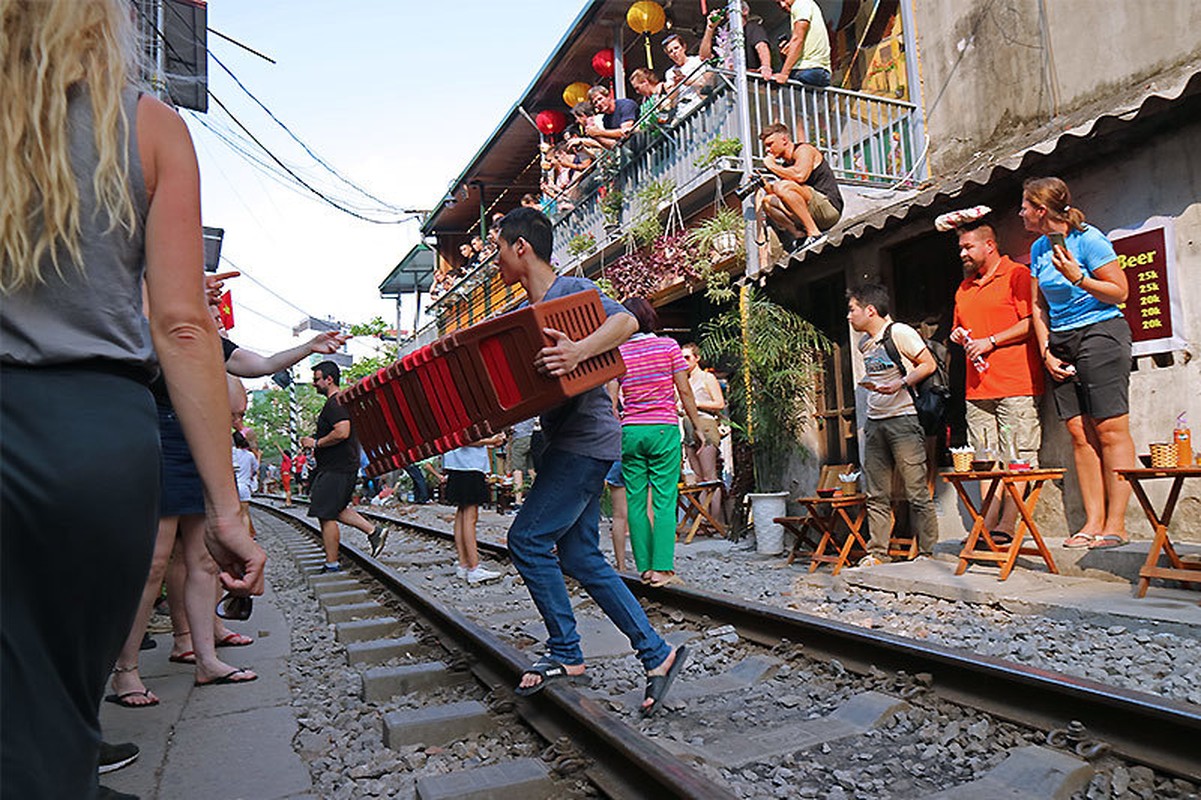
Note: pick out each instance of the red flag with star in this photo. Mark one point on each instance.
(226, 309)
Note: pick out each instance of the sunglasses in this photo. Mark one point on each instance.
(235, 607)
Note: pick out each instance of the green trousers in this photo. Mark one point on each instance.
(650, 457)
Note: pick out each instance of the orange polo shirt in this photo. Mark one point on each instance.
(988, 307)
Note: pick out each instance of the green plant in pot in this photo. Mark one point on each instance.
(719, 148)
(719, 237)
(611, 207)
(774, 356)
(646, 225)
(580, 244)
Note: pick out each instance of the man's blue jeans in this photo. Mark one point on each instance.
(557, 533)
(813, 76)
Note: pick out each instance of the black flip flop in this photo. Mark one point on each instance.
(548, 670)
(228, 678)
(657, 685)
(120, 699)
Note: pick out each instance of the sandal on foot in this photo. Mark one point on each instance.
(657, 685)
(229, 677)
(232, 639)
(1080, 540)
(186, 657)
(666, 581)
(1105, 541)
(548, 670)
(123, 699)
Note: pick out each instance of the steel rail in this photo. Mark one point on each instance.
(624, 762)
(1152, 730)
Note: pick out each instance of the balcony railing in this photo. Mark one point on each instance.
(867, 140)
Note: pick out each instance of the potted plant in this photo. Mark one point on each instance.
(648, 203)
(581, 243)
(720, 236)
(774, 356)
(723, 150)
(611, 208)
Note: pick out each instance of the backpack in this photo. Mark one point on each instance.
(931, 396)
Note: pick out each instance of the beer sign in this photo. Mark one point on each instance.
(1152, 306)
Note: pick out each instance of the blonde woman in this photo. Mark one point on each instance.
(98, 180)
(1085, 344)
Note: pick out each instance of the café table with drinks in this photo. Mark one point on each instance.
(997, 480)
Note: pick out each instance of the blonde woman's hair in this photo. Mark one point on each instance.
(46, 47)
(1053, 195)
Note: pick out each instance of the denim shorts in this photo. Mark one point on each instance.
(613, 476)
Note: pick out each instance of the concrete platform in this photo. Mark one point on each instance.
(1031, 589)
(214, 742)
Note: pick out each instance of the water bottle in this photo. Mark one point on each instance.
(962, 336)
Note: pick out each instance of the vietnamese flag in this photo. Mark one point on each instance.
(226, 310)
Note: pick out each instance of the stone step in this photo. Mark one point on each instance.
(353, 611)
(376, 651)
(365, 629)
(521, 779)
(384, 683)
(436, 726)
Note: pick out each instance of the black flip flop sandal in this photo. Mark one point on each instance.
(548, 670)
(657, 685)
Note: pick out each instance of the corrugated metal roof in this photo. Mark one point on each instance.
(414, 273)
(1075, 137)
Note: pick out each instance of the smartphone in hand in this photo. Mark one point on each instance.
(1057, 240)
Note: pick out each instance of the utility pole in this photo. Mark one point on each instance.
(743, 101)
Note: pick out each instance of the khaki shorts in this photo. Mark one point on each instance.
(519, 454)
(709, 430)
(824, 213)
(992, 424)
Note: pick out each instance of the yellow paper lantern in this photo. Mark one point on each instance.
(575, 93)
(646, 17)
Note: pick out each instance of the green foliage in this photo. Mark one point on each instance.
(611, 206)
(268, 415)
(719, 148)
(705, 237)
(606, 286)
(583, 243)
(783, 352)
(647, 226)
(376, 327)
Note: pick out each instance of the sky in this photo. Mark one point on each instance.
(396, 95)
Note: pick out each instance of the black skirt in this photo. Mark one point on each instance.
(466, 488)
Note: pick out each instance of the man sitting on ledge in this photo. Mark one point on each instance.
(804, 199)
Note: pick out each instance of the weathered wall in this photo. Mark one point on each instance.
(991, 67)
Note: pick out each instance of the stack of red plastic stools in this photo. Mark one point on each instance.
(473, 383)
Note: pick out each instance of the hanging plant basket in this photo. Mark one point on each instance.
(725, 244)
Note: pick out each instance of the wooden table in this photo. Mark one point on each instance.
(693, 501)
(1021, 486)
(839, 519)
(1177, 570)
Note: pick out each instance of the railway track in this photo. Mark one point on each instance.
(1084, 717)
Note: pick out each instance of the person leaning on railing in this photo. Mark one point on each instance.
(618, 117)
(807, 56)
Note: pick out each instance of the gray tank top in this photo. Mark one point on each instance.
(94, 315)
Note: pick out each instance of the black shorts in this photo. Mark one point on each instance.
(466, 488)
(181, 490)
(1101, 355)
(331, 493)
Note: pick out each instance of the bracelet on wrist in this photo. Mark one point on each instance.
(1079, 280)
(993, 341)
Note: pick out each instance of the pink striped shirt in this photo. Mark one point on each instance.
(648, 390)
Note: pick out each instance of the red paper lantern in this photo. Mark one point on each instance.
(551, 121)
(602, 63)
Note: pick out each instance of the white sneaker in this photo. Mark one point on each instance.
(480, 575)
(460, 572)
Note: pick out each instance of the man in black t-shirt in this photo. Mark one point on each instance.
(758, 48)
(617, 116)
(336, 451)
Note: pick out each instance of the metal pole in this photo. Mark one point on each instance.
(913, 65)
(742, 102)
(619, 61)
(293, 417)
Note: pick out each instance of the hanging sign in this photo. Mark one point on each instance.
(1152, 306)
